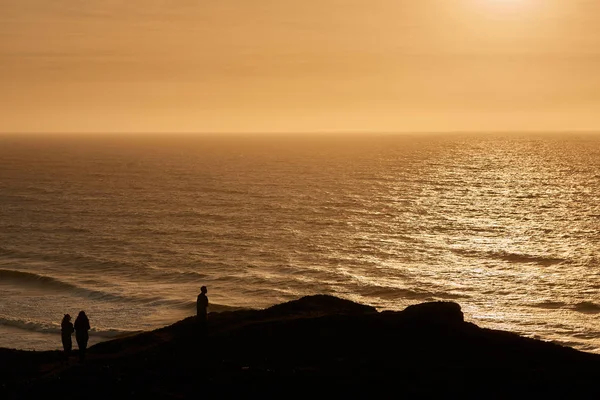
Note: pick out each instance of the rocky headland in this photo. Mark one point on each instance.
(317, 346)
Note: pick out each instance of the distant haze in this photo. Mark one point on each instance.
(292, 65)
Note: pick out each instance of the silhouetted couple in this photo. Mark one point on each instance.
(81, 328)
(202, 308)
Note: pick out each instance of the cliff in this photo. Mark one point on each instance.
(316, 346)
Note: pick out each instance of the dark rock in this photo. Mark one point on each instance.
(319, 305)
(439, 312)
(340, 347)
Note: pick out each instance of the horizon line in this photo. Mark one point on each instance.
(362, 132)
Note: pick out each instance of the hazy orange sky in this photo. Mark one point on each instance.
(292, 65)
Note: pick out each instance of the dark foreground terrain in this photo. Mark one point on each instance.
(318, 346)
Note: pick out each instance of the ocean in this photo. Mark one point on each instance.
(128, 227)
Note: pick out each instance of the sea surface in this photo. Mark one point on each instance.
(129, 227)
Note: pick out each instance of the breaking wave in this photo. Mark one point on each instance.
(22, 278)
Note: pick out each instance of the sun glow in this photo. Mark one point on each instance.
(510, 18)
(332, 65)
(509, 5)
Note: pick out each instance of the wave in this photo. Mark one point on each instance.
(412, 294)
(77, 262)
(29, 277)
(6, 252)
(72, 259)
(526, 258)
(587, 307)
(549, 305)
(55, 329)
(175, 274)
(49, 283)
(512, 257)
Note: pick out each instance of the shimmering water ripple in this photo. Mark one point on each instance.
(129, 228)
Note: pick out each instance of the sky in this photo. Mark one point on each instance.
(299, 65)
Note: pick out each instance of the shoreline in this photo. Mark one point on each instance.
(33, 340)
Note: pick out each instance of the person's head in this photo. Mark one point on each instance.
(81, 314)
(203, 289)
(66, 318)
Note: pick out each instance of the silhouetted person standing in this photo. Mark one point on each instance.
(202, 307)
(82, 326)
(66, 330)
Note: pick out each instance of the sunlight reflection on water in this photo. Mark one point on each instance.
(507, 226)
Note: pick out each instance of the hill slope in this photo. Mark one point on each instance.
(312, 346)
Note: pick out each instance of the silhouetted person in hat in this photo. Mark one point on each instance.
(201, 307)
(66, 330)
(82, 326)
